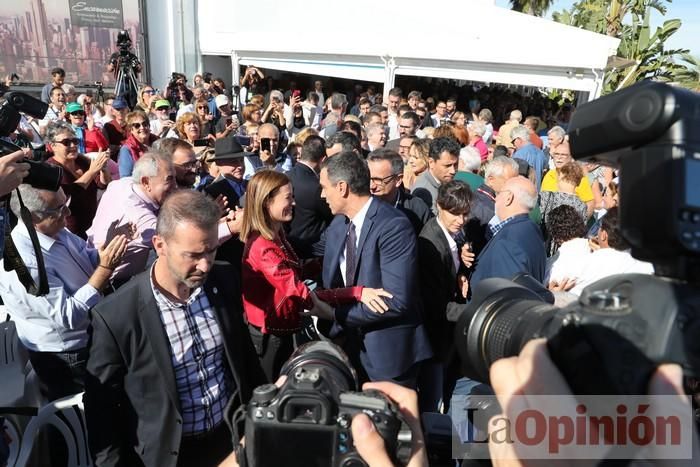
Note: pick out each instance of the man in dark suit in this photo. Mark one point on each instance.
(441, 272)
(369, 243)
(386, 183)
(229, 158)
(311, 212)
(169, 354)
(498, 170)
(517, 245)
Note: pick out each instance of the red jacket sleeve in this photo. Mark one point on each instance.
(340, 296)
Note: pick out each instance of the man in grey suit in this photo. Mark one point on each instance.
(442, 167)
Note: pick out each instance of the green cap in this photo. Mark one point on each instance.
(73, 107)
(162, 103)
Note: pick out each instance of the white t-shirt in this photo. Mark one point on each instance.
(608, 262)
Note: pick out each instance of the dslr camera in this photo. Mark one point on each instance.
(306, 421)
(622, 327)
(41, 175)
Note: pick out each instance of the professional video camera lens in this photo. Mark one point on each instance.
(501, 318)
(313, 358)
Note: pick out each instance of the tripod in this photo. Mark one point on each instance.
(126, 83)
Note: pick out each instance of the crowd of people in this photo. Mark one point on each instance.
(200, 237)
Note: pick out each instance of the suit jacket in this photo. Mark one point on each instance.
(415, 209)
(231, 250)
(392, 342)
(311, 212)
(131, 401)
(517, 248)
(426, 188)
(442, 301)
(482, 210)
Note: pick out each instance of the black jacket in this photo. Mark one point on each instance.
(482, 210)
(231, 250)
(415, 209)
(311, 212)
(131, 401)
(443, 303)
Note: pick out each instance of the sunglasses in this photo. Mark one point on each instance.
(202, 107)
(69, 141)
(137, 125)
(149, 91)
(162, 109)
(79, 113)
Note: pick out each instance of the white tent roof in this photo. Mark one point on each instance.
(358, 40)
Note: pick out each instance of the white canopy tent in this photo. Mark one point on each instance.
(376, 41)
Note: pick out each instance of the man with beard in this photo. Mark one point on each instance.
(170, 356)
(184, 160)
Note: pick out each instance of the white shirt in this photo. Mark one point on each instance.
(358, 220)
(568, 261)
(607, 262)
(393, 124)
(451, 242)
(57, 321)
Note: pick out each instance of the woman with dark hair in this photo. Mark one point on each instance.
(274, 292)
(138, 141)
(567, 231)
(443, 282)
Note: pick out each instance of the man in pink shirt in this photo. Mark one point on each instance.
(132, 204)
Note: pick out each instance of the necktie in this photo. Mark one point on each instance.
(350, 255)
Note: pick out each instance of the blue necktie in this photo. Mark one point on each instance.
(350, 255)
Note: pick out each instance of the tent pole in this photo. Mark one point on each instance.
(389, 76)
(235, 69)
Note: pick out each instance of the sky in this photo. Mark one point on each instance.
(687, 10)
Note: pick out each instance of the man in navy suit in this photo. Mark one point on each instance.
(516, 245)
(371, 244)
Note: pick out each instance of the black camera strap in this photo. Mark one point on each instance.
(13, 260)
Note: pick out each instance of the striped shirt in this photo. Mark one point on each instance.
(202, 377)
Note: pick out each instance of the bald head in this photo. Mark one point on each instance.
(518, 196)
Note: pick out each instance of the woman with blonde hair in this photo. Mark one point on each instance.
(145, 97)
(273, 290)
(417, 162)
(189, 128)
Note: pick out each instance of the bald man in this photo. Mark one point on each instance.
(516, 245)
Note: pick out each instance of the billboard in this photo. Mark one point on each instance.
(77, 35)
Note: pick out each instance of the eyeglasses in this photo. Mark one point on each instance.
(78, 113)
(58, 211)
(68, 142)
(189, 165)
(382, 181)
(149, 91)
(404, 147)
(202, 107)
(137, 125)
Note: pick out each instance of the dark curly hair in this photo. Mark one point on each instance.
(611, 224)
(564, 223)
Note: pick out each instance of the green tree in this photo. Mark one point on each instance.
(531, 7)
(629, 21)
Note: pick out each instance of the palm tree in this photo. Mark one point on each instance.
(531, 7)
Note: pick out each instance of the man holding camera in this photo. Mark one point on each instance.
(13, 170)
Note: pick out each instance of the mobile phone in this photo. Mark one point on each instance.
(172, 116)
(243, 140)
(296, 93)
(229, 120)
(201, 142)
(265, 144)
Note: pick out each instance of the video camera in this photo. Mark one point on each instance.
(307, 420)
(622, 327)
(41, 175)
(124, 41)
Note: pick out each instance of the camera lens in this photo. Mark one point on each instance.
(324, 359)
(501, 318)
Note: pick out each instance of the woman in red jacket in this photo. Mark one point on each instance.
(274, 293)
